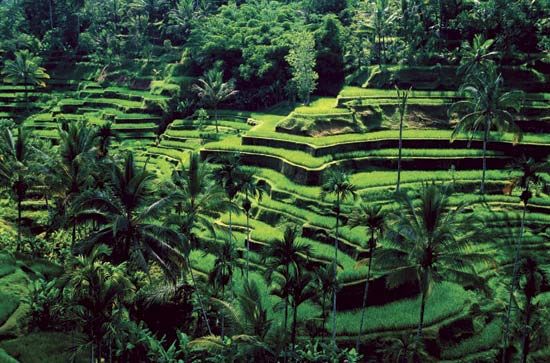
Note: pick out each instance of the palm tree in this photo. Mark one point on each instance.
(104, 136)
(229, 177)
(476, 56)
(327, 285)
(212, 90)
(73, 168)
(302, 289)
(402, 108)
(430, 240)
(16, 155)
(249, 327)
(371, 216)
(25, 70)
(196, 197)
(336, 182)
(126, 215)
(485, 106)
(95, 288)
(530, 176)
(220, 276)
(285, 258)
(405, 349)
(255, 188)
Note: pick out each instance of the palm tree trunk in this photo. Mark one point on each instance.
(51, 13)
(247, 238)
(365, 296)
(400, 150)
(286, 326)
(485, 139)
(526, 341)
(515, 276)
(294, 325)
(335, 271)
(199, 297)
(222, 315)
(18, 223)
(424, 287)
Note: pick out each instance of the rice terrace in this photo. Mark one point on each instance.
(274, 181)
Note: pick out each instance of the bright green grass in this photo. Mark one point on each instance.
(8, 304)
(268, 131)
(350, 91)
(445, 301)
(6, 358)
(306, 160)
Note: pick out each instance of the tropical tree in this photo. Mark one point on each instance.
(212, 90)
(196, 197)
(249, 327)
(254, 188)
(25, 70)
(429, 241)
(222, 273)
(486, 106)
(16, 156)
(104, 135)
(229, 177)
(283, 259)
(476, 56)
(382, 18)
(72, 169)
(302, 289)
(126, 215)
(95, 288)
(371, 216)
(530, 176)
(336, 182)
(327, 284)
(403, 97)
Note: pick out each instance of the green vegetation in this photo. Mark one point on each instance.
(274, 181)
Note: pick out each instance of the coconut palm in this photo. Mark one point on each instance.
(430, 241)
(126, 216)
(196, 197)
(222, 273)
(249, 327)
(336, 182)
(327, 284)
(72, 169)
(285, 257)
(251, 187)
(16, 156)
(371, 216)
(403, 97)
(25, 70)
(302, 289)
(212, 91)
(486, 106)
(229, 177)
(476, 56)
(104, 136)
(531, 175)
(95, 288)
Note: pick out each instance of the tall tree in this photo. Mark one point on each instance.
(486, 106)
(336, 182)
(371, 216)
(251, 187)
(327, 284)
(476, 56)
(16, 156)
(403, 97)
(285, 257)
(126, 215)
(25, 70)
(212, 90)
(196, 197)
(95, 288)
(531, 175)
(301, 58)
(302, 289)
(429, 241)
